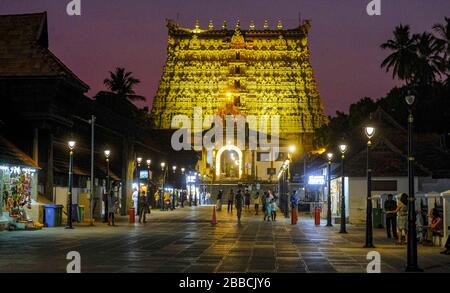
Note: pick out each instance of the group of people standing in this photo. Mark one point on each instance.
(242, 199)
(397, 221)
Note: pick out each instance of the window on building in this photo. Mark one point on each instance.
(237, 69)
(238, 55)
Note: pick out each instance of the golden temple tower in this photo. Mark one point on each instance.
(260, 71)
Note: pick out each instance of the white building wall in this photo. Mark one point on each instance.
(358, 195)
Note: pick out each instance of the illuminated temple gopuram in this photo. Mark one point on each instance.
(255, 71)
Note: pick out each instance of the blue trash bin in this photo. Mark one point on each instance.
(51, 215)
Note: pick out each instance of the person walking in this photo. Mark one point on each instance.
(166, 200)
(274, 209)
(239, 204)
(391, 218)
(135, 199)
(111, 208)
(257, 200)
(263, 204)
(219, 200)
(247, 198)
(156, 198)
(230, 201)
(268, 207)
(142, 201)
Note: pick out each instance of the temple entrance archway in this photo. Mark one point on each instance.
(229, 162)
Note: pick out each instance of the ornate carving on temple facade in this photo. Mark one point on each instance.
(267, 72)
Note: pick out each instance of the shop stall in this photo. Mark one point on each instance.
(19, 208)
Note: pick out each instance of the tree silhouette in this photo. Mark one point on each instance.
(122, 83)
(403, 54)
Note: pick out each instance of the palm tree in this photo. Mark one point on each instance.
(403, 55)
(443, 36)
(443, 41)
(121, 83)
(428, 63)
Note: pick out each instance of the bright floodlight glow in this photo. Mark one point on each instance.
(228, 94)
(343, 148)
(149, 162)
(71, 144)
(107, 153)
(139, 160)
(370, 131)
(330, 156)
(174, 168)
(183, 169)
(163, 165)
(292, 148)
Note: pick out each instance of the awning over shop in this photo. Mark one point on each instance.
(11, 155)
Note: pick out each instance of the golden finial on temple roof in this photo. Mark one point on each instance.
(224, 25)
(266, 25)
(279, 25)
(252, 25)
(210, 25)
(238, 25)
(197, 25)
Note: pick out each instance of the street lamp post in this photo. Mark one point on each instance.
(69, 194)
(411, 265)
(174, 169)
(289, 178)
(183, 181)
(329, 222)
(163, 165)
(138, 180)
(370, 131)
(149, 194)
(105, 217)
(343, 149)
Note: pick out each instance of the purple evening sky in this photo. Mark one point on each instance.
(344, 40)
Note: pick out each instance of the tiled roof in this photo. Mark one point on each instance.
(389, 154)
(24, 49)
(11, 155)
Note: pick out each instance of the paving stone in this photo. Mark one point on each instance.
(184, 241)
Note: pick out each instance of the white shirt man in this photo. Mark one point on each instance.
(135, 199)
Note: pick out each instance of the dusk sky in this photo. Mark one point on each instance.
(344, 40)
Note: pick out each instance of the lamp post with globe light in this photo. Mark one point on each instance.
(343, 149)
(330, 158)
(71, 144)
(163, 169)
(370, 132)
(412, 265)
(138, 181)
(107, 154)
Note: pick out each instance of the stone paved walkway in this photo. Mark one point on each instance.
(184, 241)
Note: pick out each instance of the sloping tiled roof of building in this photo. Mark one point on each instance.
(24, 49)
(389, 152)
(11, 155)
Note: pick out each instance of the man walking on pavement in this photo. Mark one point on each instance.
(239, 205)
(142, 207)
(230, 201)
(219, 200)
